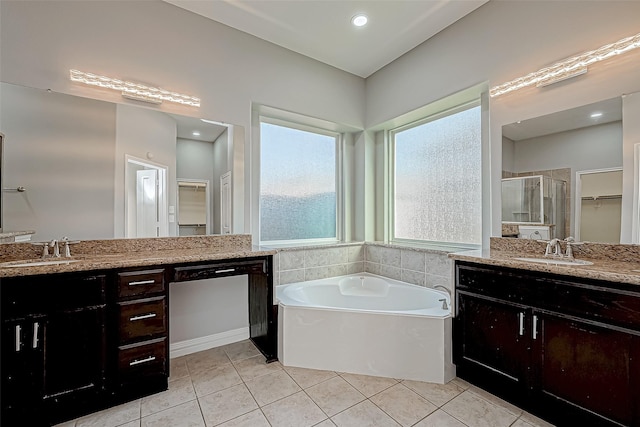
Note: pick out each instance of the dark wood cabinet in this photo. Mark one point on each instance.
(74, 343)
(53, 353)
(141, 316)
(566, 349)
(492, 338)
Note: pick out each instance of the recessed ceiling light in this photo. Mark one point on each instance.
(596, 115)
(359, 20)
(195, 133)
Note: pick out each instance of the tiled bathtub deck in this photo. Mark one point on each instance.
(232, 386)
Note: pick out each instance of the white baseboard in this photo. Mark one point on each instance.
(182, 348)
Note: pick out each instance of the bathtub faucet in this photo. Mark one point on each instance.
(443, 300)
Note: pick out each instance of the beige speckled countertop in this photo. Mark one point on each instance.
(615, 263)
(120, 253)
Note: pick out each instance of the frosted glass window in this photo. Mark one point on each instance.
(437, 182)
(297, 184)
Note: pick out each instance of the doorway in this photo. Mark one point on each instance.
(194, 207)
(145, 199)
(598, 205)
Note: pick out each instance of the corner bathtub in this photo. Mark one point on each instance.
(366, 324)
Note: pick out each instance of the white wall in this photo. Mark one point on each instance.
(201, 309)
(594, 147)
(500, 41)
(62, 150)
(153, 42)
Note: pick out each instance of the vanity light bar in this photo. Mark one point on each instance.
(134, 90)
(567, 68)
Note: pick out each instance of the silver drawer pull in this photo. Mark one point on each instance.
(142, 316)
(520, 323)
(142, 282)
(18, 341)
(137, 362)
(228, 270)
(36, 326)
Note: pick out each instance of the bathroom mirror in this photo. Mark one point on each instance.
(566, 146)
(70, 153)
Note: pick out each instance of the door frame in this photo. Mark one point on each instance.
(635, 221)
(163, 207)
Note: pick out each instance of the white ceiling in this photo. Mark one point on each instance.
(322, 29)
(561, 121)
(185, 127)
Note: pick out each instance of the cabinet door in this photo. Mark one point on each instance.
(492, 342)
(21, 370)
(588, 365)
(73, 352)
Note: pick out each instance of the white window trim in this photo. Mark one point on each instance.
(390, 179)
(339, 170)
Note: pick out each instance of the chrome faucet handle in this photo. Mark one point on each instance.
(45, 248)
(570, 244)
(67, 250)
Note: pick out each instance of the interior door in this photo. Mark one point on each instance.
(225, 203)
(147, 223)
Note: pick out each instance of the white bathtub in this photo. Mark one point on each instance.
(366, 324)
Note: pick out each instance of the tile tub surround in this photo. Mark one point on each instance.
(418, 266)
(231, 386)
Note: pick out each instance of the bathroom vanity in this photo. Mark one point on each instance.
(94, 333)
(560, 342)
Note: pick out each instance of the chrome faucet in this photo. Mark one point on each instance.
(444, 300)
(56, 248)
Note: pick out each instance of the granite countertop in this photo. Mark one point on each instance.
(112, 254)
(621, 271)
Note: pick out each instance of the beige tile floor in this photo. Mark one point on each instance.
(232, 386)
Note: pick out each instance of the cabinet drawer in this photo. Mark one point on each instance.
(197, 272)
(148, 358)
(41, 294)
(136, 283)
(142, 319)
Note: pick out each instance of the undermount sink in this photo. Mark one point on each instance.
(551, 261)
(36, 263)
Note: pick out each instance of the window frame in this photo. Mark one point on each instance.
(391, 174)
(339, 184)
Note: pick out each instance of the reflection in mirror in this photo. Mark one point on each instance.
(194, 214)
(559, 146)
(599, 205)
(70, 152)
(145, 199)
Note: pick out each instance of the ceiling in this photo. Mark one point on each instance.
(561, 121)
(207, 131)
(322, 29)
